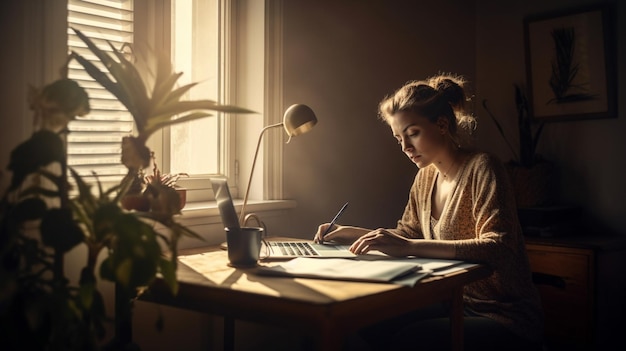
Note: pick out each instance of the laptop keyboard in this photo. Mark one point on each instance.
(294, 248)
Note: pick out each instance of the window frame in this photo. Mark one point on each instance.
(249, 72)
(266, 63)
(153, 25)
(262, 93)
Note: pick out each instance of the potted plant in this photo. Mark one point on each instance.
(531, 175)
(42, 308)
(152, 186)
(157, 183)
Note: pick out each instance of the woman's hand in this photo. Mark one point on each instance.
(339, 234)
(384, 241)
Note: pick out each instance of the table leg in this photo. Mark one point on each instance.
(229, 334)
(456, 319)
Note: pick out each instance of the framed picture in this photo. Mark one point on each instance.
(570, 64)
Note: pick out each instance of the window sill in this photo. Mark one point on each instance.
(209, 213)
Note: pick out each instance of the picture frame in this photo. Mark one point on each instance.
(570, 64)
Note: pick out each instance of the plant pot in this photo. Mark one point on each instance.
(136, 202)
(534, 186)
(182, 193)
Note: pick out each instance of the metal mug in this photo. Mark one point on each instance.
(244, 246)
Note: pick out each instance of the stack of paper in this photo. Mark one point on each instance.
(342, 269)
(372, 268)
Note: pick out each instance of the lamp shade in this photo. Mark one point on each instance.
(298, 119)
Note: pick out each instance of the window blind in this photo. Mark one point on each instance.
(94, 141)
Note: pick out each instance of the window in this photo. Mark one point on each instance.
(94, 144)
(202, 37)
(196, 52)
(197, 147)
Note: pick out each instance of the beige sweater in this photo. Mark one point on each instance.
(481, 217)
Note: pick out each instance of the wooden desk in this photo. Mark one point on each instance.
(325, 309)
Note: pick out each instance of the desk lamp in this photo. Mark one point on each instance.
(298, 119)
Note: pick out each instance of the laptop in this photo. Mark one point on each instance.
(273, 249)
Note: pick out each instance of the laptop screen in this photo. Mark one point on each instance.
(225, 203)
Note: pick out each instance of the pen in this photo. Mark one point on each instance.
(332, 223)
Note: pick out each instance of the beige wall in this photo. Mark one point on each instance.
(589, 154)
(341, 58)
(26, 59)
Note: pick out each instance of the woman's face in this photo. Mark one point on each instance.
(421, 140)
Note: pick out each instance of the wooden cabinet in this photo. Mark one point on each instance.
(582, 283)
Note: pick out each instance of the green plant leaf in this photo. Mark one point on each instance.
(98, 314)
(85, 197)
(163, 93)
(59, 230)
(128, 77)
(87, 288)
(107, 269)
(168, 272)
(186, 231)
(175, 95)
(184, 106)
(120, 89)
(157, 111)
(29, 209)
(120, 190)
(103, 79)
(105, 218)
(165, 79)
(169, 122)
(41, 149)
(165, 116)
(102, 55)
(135, 253)
(123, 272)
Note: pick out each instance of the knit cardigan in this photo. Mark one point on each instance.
(480, 216)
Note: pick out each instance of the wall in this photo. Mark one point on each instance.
(26, 35)
(341, 58)
(15, 127)
(589, 153)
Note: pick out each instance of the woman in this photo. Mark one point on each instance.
(460, 206)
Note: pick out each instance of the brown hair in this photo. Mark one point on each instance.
(441, 95)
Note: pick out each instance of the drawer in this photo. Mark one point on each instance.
(565, 284)
(572, 268)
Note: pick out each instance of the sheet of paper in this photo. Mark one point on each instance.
(342, 269)
(436, 265)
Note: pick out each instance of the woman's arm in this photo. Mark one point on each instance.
(395, 245)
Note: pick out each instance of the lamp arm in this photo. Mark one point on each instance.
(256, 153)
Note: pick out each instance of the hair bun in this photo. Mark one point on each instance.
(451, 88)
